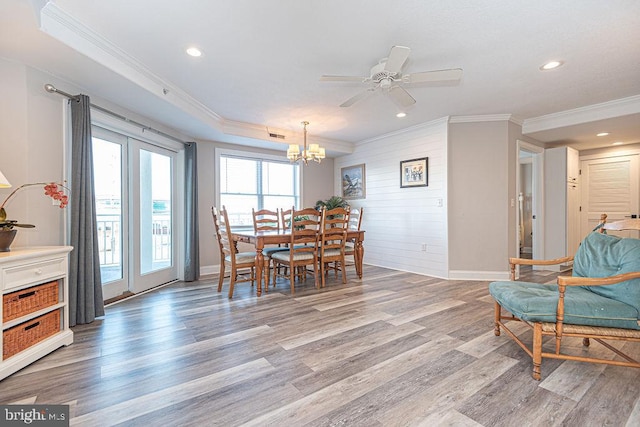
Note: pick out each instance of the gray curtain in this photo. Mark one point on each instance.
(85, 283)
(192, 251)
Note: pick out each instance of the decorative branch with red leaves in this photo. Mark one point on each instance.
(51, 189)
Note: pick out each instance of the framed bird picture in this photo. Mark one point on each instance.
(353, 182)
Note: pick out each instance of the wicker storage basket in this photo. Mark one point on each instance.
(26, 334)
(25, 301)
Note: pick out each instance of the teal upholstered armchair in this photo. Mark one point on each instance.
(600, 301)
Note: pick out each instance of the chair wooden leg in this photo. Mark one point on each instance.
(497, 315)
(323, 266)
(292, 274)
(344, 272)
(537, 350)
(221, 280)
(315, 275)
(276, 268)
(232, 283)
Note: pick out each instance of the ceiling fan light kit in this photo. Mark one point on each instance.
(387, 77)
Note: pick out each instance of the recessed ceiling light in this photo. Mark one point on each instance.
(551, 65)
(603, 134)
(401, 115)
(194, 51)
(617, 143)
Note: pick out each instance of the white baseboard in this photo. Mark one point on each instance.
(209, 270)
(478, 275)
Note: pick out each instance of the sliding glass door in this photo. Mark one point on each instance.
(134, 183)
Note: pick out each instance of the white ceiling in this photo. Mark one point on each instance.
(262, 61)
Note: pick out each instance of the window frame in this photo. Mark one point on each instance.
(255, 156)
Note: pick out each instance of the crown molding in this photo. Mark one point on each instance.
(486, 118)
(259, 132)
(590, 113)
(419, 127)
(59, 24)
(64, 27)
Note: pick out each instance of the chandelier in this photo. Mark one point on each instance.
(311, 152)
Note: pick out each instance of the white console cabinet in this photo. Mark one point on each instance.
(33, 316)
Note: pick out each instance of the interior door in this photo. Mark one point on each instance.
(609, 185)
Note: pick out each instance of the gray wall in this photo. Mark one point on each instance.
(482, 164)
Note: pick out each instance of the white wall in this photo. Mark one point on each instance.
(397, 221)
(31, 150)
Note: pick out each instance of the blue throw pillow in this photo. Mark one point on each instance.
(603, 255)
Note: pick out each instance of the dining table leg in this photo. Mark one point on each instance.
(259, 267)
(359, 252)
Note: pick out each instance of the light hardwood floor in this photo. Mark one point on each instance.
(392, 349)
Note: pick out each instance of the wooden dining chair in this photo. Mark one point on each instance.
(285, 218)
(240, 262)
(355, 222)
(267, 220)
(304, 226)
(333, 237)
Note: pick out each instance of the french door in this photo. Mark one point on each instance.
(134, 186)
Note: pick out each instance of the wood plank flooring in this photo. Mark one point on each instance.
(392, 349)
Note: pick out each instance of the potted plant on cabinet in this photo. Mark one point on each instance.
(7, 226)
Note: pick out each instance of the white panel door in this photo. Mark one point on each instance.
(609, 185)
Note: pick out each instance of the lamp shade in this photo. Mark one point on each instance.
(4, 182)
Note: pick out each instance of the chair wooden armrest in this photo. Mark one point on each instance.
(525, 261)
(596, 281)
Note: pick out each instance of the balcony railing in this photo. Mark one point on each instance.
(110, 236)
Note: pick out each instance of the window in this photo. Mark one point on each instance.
(250, 182)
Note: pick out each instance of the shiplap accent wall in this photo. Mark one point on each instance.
(398, 221)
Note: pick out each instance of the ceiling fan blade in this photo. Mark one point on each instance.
(358, 97)
(396, 59)
(433, 76)
(329, 78)
(401, 96)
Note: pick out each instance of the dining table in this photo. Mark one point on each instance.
(274, 237)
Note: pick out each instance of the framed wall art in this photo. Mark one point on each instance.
(414, 173)
(353, 182)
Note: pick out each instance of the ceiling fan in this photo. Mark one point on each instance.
(387, 76)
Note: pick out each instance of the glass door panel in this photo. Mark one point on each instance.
(155, 212)
(153, 216)
(109, 157)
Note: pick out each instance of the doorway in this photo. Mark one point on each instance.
(528, 200)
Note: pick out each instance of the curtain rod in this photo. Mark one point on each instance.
(52, 89)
